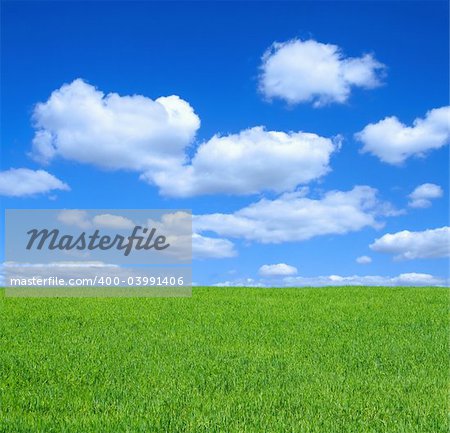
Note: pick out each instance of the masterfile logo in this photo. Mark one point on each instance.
(73, 252)
(53, 239)
(133, 237)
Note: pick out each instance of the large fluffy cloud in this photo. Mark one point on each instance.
(249, 162)
(407, 245)
(394, 142)
(18, 182)
(421, 197)
(296, 217)
(81, 123)
(310, 71)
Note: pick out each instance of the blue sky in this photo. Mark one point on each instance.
(211, 56)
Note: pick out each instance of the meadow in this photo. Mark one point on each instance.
(325, 360)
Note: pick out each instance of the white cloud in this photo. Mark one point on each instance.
(80, 123)
(249, 162)
(214, 248)
(81, 219)
(310, 71)
(406, 279)
(243, 282)
(407, 245)
(176, 226)
(421, 197)
(113, 221)
(363, 260)
(295, 217)
(277, 270)
(74, 217)
(393, 142)
(418, 279)
(19, 182)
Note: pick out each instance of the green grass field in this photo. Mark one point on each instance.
(228, 360)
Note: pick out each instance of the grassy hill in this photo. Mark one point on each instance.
(346, 359)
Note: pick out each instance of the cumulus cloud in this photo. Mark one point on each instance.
(152, 137)
(175, 225)
(407, 245)
(201, 247)
(74, 217)
(20, 182)
(393, 142)
(277, 270)
(249, 162)
(204, 247)
(83, 219)
(310, 71)
(421, 197)
(80, 123)
(363, 260)
(296, 217)
(113, 221)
